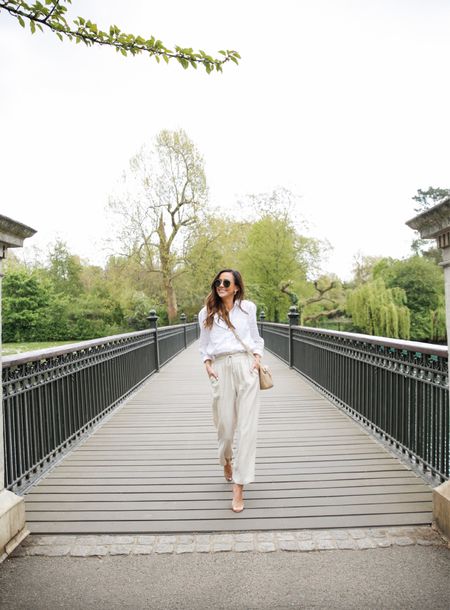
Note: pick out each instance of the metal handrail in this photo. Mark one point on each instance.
(417, 346)
(43, 354)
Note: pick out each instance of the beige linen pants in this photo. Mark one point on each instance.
(236, 410)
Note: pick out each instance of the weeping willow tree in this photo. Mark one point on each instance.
(377, 310)
(438, 322)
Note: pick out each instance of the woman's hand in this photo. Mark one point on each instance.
(210, 371)
(256, 362)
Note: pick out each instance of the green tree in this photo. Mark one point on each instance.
(31, 310)
(439, 323)
(61, 300)
(275, 257)
(52, 15)
(94, 314)
(164, 199)
(324, 303)
(213, 244)
(64, 270)
(377, 310)
(423, 283)
(425, 199)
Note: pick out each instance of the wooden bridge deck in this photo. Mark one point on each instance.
(152, 467)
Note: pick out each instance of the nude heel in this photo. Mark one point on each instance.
(237, 506)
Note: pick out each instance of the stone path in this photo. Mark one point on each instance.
(259, 542)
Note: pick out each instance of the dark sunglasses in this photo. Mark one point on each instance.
(226, 283)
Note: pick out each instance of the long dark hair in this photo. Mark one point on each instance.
(215, 305)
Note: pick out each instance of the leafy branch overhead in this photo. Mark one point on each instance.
(51, 14)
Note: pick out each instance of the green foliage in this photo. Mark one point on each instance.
(427, 198)
(377, 310)
(94, 315)
(31, 311)
(64, 270)
(323, 304)
(423, 283)
(213, 244)
(52, 14)
(438, 323)
(63, 301)
(275, 256)
(421, 280)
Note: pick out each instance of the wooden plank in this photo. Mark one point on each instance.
(216, 503)
(223, 513)
(152, 467)
(213, 460)
(202, 471)
(235, 523)
(343, 492)
(136, 479)
(312, 485)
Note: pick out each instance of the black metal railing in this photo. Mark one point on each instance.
(399, 389)
(52, 398)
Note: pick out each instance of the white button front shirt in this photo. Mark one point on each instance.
(220, 339)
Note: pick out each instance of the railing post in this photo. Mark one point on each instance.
(293, 316)
(153, 321)
(262, 317)
(183, 321)
(13, 527)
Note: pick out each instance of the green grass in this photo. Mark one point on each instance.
(9, 349)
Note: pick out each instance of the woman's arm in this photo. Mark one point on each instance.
(204, 336)
(258, 342)
(204, 340)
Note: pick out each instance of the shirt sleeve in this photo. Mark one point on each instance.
(258, 342)
(204, 336)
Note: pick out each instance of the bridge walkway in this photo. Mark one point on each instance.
(151, 467)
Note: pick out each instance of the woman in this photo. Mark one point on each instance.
(227, 328)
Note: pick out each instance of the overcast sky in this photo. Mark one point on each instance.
(345, 103)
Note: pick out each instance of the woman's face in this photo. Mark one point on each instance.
(226, 286)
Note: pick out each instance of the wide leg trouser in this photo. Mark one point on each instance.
(236, 410)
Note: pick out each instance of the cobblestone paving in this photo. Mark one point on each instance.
(259, 542)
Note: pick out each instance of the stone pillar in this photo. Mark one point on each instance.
(12, 507)
(435, 224)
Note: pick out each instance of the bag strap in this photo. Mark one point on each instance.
(241, 342)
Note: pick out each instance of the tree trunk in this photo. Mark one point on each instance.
(171, 300)
(166, 268)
